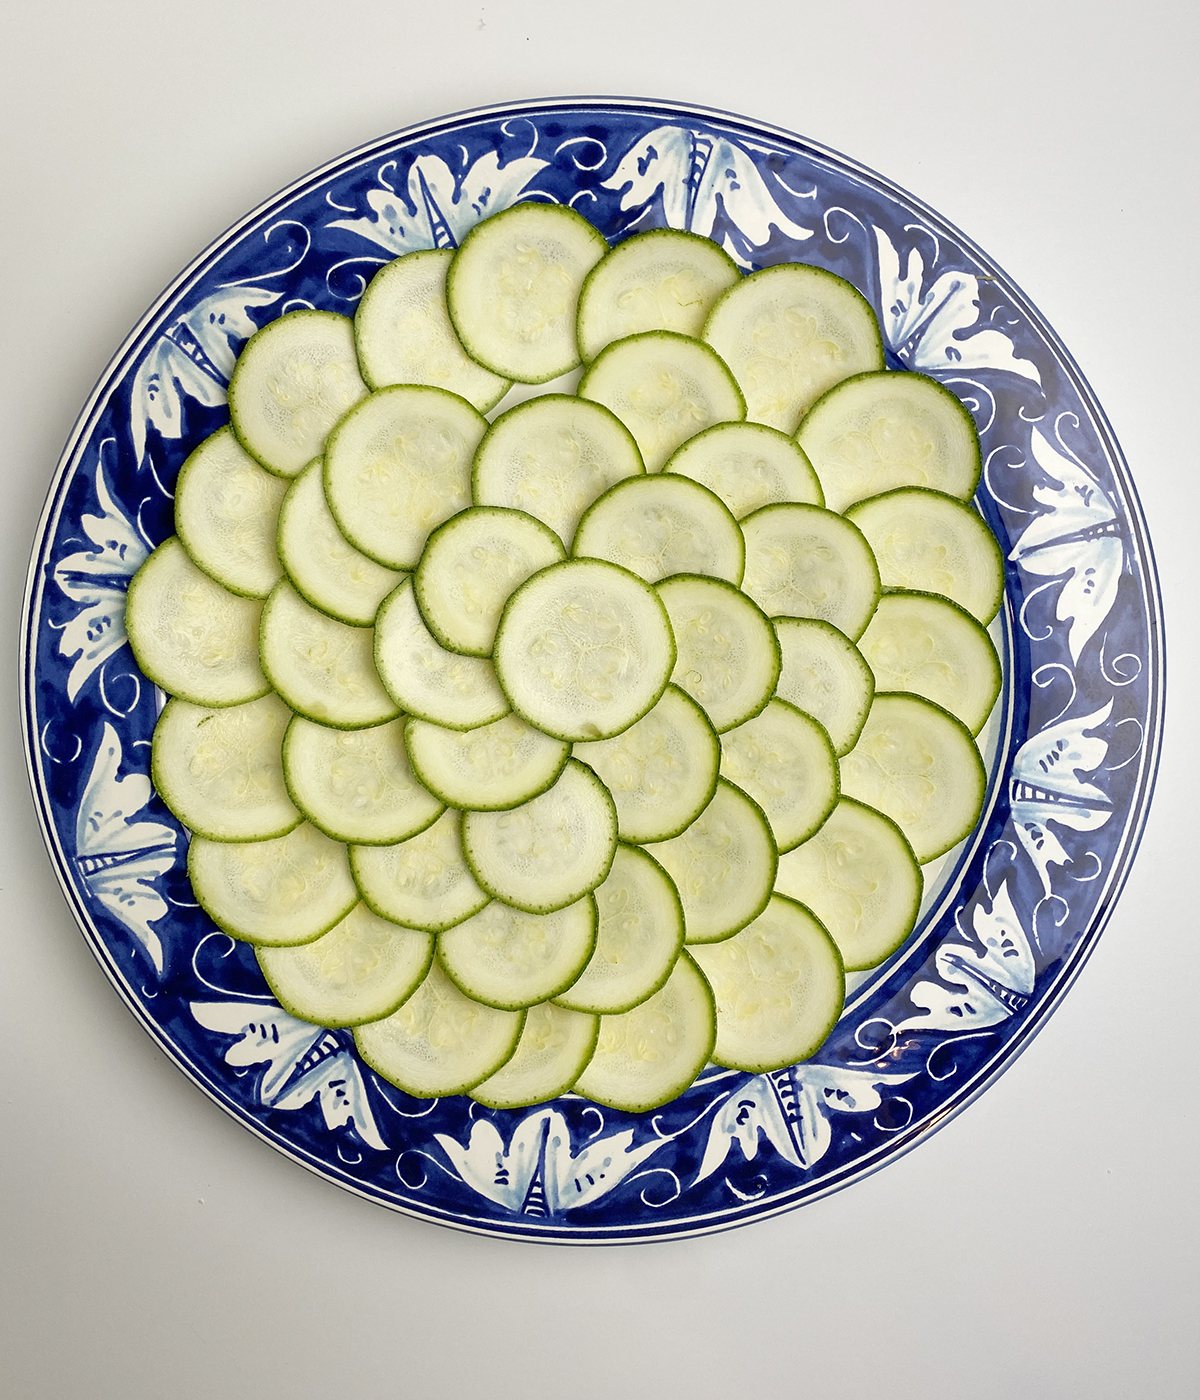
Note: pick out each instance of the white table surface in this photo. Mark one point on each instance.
(1044, 1244)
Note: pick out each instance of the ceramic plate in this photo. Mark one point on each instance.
(1010, 916)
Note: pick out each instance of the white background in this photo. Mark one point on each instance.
(1044, 1244)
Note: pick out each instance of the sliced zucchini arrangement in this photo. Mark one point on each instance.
(579, 748)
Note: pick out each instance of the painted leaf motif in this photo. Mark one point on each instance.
(1075, 535)
(439, 209)
(118, 857)
(753, 1110)
(96, 580)
(537, 1173)
(192, 358)
(698, 177)
(924, 327)
(304, 1062)
(984, 980)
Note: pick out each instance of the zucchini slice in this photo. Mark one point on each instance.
(931, 647)
(662, 771)
(489, 769)
(508, 958)
(727, 652)
(859, 876)
(647, 1056)
(783, 759)
(878, 431)
(584, 649)
(824, 674)
(805, 561)
(189, 635)
(551, 457)
(548, 852)
(294, 379)
(723, 866)
(638, 939)
(356, 785)
(439, 1042)
(397, 466)
(361, 970)
(779, 988)
(662, 280)
(324, 567)
(423, 882)
(404, 335)
(513, 289)
(323, 668)
(470, 568)
(789, 333)
(426, 680)
(928, 542)
(656, 526)
(285, 891)
(749, 466)
(665, 388)
(918, 765)
(220, 771)
(554, 1048)
(226, 507)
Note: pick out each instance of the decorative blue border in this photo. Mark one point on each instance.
(1029, 893)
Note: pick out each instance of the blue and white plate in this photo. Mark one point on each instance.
(1012, 914)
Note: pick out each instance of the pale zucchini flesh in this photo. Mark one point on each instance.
(221, 771)
(555, 1046)
(748, 465)
(489, 769)
(423, 882)
(824, 674)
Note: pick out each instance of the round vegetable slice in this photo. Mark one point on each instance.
(656, 526)
(918, 765)
(470, 568)
(550, 851)
(323, 668)
(662, 771)
(823, 673)
(555, 1046)
(789, 333)
(361, 970)
(226, 507)
(189, 635)
(423, 882)
(875, 432)
(552, 456)
(488, 769)
(439, 1042)
(356, 785)
(779, 988)
(638, 939)
(749, 466)
(426, 680)
(646, 1057)
(783, 759)
(220, 770)
(931, 647)
(662, 280)
(723, 866)
(859, 876)
(928, 542)
(324, 567)
(665, 388)
(284, 891)
(508, 958)
(584, 649)
(805, 561)
(513, 289)
(404, 334)
(727, 655)
(397, 466)
(295, 378)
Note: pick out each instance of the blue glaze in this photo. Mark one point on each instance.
(1017, 914)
